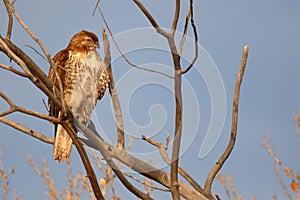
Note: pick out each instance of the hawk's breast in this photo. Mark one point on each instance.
(84, 95)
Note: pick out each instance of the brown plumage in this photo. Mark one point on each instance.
(84, 80)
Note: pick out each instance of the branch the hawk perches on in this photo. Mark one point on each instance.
(83, 78)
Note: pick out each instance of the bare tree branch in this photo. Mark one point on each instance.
(4, 47)
(95, 8)
(175, 18)
(26, 130)
(227, 152)
(99, 143)
(185, 29)
(195, 39)
(289, 172)
(138, 165)
(10, 19)
(151, 19)
(122, 54)
(122, 178)
(144, 183)
(13, 70)
(222, 179)
(15, 108)
(282, 184)
(36, 51)
(39, 78)
(68, 126)
(177, 90)
(38, 41)
(113, 92)
(178, 121)
(165, 157)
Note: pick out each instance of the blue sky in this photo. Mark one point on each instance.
(269, 94)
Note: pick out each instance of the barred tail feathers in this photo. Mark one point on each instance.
(62, 145)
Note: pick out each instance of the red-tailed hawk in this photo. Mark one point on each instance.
(84, 80)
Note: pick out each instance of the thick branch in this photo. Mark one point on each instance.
(139, 166)
(12, 55)
(39, 79)
(227, 152)
(178, 120)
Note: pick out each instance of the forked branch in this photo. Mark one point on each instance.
(151, 19)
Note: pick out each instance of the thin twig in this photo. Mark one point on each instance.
(288, 172)
(144, 183)
(15, 108)
(185, 29)
(10, 68)
(227, 152)
(36, 51)
(122, 54)
(26, 130)
(232, 187)
(96, 6)
(283, 186)
(222, 179)
(195, 40)
(38, 41)
(45, 174)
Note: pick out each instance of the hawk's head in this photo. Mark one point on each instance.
(84, 40)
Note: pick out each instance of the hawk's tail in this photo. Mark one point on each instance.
(62, 145)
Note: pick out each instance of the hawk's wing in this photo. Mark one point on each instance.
(93, 61)
(103, 82)
(55, 74)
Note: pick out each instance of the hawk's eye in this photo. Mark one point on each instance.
(89, 40)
